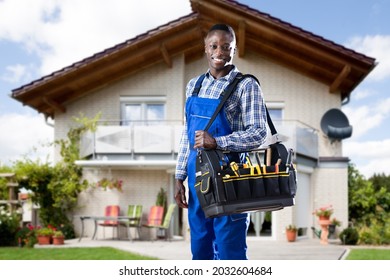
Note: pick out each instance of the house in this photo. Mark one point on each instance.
(138, 86)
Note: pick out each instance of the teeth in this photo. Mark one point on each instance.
(219, 59)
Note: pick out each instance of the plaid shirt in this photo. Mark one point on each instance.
(245, 112)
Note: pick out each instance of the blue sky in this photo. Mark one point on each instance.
(41, 36)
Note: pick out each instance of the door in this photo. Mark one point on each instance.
(302, 204)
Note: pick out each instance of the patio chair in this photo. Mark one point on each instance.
(111, 211)
(135, 213)
(155, 216)
(167, 221)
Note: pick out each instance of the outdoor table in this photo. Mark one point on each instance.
(105, 218)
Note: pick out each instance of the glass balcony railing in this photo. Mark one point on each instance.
(136, 138)
(162, 138)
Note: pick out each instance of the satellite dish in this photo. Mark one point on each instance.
(335, 124)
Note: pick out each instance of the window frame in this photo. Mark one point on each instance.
(143, 102)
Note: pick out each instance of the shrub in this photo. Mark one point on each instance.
(68, 230)
(9, 225)
(376, 234)
(349, 236)
(26, 236)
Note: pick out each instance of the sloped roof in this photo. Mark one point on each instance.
(340, 68)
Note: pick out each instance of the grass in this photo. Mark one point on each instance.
(101, 253)
(108, 253)
(369, 254)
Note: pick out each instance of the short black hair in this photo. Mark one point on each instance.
(222, 27)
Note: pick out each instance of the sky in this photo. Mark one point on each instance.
(42, 36)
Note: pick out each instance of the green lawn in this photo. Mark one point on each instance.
(108, 253)
(369, 254)
(101, 253)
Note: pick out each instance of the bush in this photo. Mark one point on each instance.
(375, 234)
(349, 236)
(26, 236)
(67, 230)
(9, 225)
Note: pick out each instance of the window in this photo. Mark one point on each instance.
(275, 110)
(143, 110)
(276, 114)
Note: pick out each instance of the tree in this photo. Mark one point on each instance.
(368, 204)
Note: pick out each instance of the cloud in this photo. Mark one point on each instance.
(376, 46)
(17, 73)
(367, 117)
(14, 73)
(63, 32)
(364, 93)
(370, 156)
(26, 135)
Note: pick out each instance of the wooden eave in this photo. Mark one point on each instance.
(339, 68)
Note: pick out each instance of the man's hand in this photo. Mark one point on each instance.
(180, 194)
(204, 140)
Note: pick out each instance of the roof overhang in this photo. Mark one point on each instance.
(341, 69)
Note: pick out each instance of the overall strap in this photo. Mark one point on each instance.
(198, 85)
(225, 95)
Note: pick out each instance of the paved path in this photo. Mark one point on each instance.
(257, 249)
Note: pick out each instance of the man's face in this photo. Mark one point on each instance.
(219, 48)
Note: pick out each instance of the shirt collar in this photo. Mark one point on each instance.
(229, 77)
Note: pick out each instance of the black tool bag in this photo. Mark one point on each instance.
(225, 188)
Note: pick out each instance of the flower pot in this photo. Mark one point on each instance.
(58, 240)
(291, 235)
(44, 240)
(324, 218)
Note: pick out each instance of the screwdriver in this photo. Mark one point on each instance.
(234, 167)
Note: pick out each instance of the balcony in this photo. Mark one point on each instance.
(155, 145)
(302, 138)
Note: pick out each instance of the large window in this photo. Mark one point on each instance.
(143, 110)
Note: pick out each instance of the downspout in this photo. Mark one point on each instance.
(346, 100)
(47, 121)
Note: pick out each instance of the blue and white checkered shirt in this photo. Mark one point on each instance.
(245, 112)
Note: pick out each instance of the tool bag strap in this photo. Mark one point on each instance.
(228, 91)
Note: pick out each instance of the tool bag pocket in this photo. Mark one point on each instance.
(204, 187)
(237, 187)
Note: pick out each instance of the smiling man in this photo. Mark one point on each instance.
(240, 126)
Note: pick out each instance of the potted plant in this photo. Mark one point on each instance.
(291, 233)
(324, 213)
(332, 226)
(26, 236)
(110, 184)
(161, 200)
(44, 235)
(58, 238)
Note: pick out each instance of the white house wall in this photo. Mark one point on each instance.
(304, 99)
(139, 187)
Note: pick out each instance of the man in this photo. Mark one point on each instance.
(240, 126)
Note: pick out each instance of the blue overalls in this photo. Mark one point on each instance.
(213, 238)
